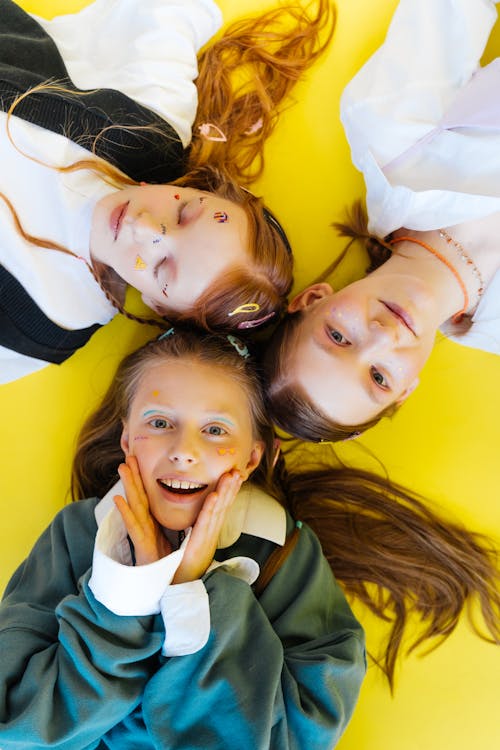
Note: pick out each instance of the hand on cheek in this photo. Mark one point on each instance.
(150, 544)
(202, 544)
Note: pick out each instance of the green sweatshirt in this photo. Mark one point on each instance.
(280, 671)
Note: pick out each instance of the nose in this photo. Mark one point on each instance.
(148, 228)
(383, 333)
(183, 452)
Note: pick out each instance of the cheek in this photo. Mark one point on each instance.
(226, 451)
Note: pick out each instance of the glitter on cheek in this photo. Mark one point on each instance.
(221, 217)
(224, 451)
(141, 437)
(177, 197)
(140, 265)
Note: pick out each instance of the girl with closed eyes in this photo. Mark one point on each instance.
(105, 185)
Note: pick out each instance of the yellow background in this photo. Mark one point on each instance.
(444, 442)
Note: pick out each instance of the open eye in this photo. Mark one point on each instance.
(338, 338)
(379, 378)
(159, 423)
(215, 430)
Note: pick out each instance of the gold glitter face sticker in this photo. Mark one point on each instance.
(223, 451)
(140, 265)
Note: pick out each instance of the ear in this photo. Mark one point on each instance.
(124, 441)
(407, 392)
(254, 461)
(154, 305)
(309, 295)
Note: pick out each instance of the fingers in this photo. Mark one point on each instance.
(218, 502)
(202, 544)
(134, 488)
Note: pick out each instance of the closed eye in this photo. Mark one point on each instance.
(180, 210)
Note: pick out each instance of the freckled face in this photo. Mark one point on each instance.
(360, 349)
(168, 242)
(189, 423)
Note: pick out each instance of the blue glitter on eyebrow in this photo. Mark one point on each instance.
(151, 411)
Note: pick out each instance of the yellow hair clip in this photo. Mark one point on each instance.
(249, 307)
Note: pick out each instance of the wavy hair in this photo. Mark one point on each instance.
(388, 548)
(267, 55)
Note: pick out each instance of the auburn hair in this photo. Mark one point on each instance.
(387, 547)
(267, 54)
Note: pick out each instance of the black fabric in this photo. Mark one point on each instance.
(25, 329)
(28, 57)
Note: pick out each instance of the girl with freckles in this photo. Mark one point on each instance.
(191, 604)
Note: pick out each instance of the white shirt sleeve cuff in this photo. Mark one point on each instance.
(240, 567)
(186, 611)
(121, 587)
(186, 615)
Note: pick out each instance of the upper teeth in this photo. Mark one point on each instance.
(177, 484)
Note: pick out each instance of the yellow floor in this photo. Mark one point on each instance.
(444, 442)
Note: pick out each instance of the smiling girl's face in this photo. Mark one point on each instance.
(359, 350)
(171, 243)
(188, 424)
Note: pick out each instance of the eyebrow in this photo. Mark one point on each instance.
(374, 395)
(219, 418)
(214, 417)
(151, 411)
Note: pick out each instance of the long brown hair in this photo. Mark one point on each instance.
(290, 406)
(386, 546)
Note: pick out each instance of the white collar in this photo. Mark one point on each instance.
(253, 512)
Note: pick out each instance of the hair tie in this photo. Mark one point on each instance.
(211, 132)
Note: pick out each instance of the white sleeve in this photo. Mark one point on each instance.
(14, 365)
(147, 50)
(432, 48)
(140, 590)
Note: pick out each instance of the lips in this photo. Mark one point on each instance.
(401, 315)
(180, 490)
(116, 218)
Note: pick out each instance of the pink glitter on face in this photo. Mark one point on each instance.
(141, 437)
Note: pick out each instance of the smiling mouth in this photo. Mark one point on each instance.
(181, 487)
(400, 314)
